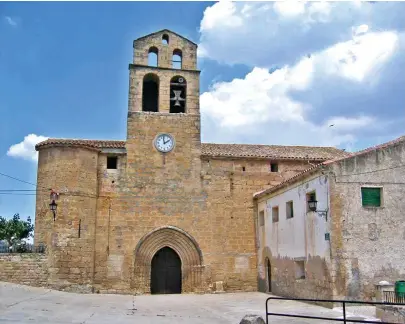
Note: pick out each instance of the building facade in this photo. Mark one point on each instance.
(160, 212)
(352, 241)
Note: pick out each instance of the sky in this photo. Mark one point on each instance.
(271, 73)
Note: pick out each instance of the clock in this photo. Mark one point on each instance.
(164, 143)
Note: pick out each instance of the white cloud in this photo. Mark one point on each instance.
(260, 105)
(337, 63)
(358, 58)
(26, 148)
(263, 100)
(267, 34)
(222, 15)
(289, 8)
(11, 21)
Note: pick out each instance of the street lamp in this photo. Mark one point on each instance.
(53, 205)
(312, 206)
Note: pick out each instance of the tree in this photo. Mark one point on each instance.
(14, 230)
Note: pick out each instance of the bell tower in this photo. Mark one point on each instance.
(164, 76)
(163, 125)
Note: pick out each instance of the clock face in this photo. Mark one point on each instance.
(164, 143)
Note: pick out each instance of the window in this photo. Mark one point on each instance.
(150, 93)
(289, 209)
(299, 269)
(311, 196)
(261, 218)
(371, 197)
(177, 59)
(274, 214)
(178, 87)
(153, 56)
(274, 167)
(80, 228)
(243, 169)
(165, 39)
(112, 162)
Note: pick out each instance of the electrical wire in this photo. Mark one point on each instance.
(8, 176)
(372, 171)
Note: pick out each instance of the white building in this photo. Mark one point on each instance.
(353, 240)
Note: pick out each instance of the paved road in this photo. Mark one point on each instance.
(22, 304)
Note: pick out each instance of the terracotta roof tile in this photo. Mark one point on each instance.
(272, 151)
(224, 150)
(328, 162)
(79, 142)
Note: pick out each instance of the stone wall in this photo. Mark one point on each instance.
(26, 269)
(137, 74)
(367, 242)
(165, 51)
(208, 201)
(200, 207)
(71, 171)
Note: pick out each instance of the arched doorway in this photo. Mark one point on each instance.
(182, 243)
(268, 273)
(166, 272)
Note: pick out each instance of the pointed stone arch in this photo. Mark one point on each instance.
(182, 243)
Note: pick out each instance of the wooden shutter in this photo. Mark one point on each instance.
(371, 197)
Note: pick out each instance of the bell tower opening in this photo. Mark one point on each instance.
(178, 87)
(164, 78)
(150, 93)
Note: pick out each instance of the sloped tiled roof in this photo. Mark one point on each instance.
(309, 171)
(272, 151)
(98, 144)
(223, 150)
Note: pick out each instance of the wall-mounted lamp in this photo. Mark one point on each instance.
(312, 206)
(53, 205)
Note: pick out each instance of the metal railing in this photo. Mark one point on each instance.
(392, 297)
(345, 318)
(27, 248)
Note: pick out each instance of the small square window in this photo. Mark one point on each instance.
(274, 214)
(311, 196)
(274, 167)
(371, 197)
(300, 269)
(289, 209)
(261, 218)
(112, 162)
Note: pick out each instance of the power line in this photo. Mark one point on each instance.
(8, 176)
(372, 171)
(17, 190)
(17, 194)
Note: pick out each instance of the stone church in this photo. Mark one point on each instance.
(159, 212)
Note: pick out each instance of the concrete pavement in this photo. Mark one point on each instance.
(22, 304)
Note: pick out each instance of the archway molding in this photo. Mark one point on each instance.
(182, 243)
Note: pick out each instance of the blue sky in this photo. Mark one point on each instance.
(272, 73)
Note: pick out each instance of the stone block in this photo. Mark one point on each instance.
(252, 319)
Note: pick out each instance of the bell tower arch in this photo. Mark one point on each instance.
(167, 62)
